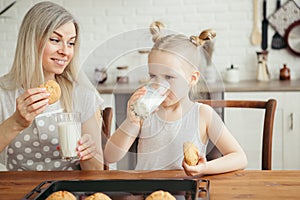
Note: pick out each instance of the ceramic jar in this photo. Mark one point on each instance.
(232, 75)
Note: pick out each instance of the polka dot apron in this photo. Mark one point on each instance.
(36, 148)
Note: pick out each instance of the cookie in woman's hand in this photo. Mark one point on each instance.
(191, 153)
(54, 89)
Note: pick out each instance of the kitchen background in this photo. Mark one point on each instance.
(113, 33)
(106, 24)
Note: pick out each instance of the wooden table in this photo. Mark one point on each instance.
(244, 184)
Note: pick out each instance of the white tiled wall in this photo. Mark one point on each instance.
(114, 28)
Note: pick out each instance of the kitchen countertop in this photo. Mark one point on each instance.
(242, 86)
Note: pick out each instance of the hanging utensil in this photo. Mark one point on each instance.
(264, 44)
(278, 42)
(7, 7)
(256, 34)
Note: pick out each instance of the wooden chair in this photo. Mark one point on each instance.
(269, 106)
(107, 115)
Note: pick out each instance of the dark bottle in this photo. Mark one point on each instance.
(285, 73)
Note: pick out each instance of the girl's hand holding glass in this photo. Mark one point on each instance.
(131, 115)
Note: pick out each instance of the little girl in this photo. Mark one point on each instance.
(178, 119)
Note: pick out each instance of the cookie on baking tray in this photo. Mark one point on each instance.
(191, 153)
(160, 195)
(54, 89)
(98, 196)
(61, 195)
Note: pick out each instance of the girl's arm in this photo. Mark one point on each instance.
(120, 142)
(90, 148)
(233, 158)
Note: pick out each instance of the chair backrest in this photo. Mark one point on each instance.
(107, 115)
(269, 106)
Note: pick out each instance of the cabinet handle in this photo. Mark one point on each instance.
(291, 121)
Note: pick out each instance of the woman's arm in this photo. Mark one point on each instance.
(233, 158)
(90, 147)
(30, 104)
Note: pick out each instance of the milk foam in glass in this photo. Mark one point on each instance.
(155, 95)
(69, 132)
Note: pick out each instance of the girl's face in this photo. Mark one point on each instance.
(59, 50)
(180, 74)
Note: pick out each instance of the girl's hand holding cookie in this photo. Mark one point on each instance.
(195, 170)
(193, 162)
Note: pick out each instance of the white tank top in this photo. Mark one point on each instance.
(160, 144)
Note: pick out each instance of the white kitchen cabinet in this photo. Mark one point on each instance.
(286, 133)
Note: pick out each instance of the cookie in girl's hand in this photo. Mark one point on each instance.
(191, 153)
(54, 89)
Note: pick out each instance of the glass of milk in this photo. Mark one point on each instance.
(155, 94)
(69, 132)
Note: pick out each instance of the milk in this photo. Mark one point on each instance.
(69, 133)
(146, 106)
(155, 95)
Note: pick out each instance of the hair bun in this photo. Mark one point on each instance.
(205, 35)
(155, 30)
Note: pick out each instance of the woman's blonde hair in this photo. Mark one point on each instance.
(185, 47)
(36, 29)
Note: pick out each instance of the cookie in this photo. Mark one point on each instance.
(53, 88)
(61, 195)
(160, 195)
(191, 153)
(98, 196)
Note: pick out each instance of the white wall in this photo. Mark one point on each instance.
(103, 20)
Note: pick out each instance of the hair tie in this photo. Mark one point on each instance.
(197, 41)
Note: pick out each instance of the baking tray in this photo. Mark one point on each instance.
(124, 189)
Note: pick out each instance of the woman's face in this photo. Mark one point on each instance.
(59, 50)
(175, 70)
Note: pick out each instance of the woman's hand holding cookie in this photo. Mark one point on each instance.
(54, 89)
(30, 104)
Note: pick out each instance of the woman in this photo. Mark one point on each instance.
(47, 49)
(176, 58)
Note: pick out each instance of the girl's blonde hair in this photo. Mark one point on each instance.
(196, 50)
(36, 28)
(185, 47)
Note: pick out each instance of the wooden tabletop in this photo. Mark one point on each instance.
(244, 184)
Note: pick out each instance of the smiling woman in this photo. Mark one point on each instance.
(47, 49)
